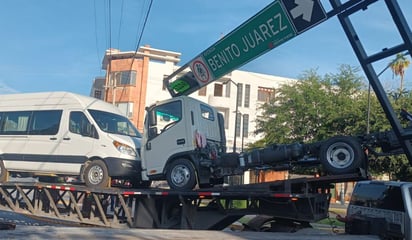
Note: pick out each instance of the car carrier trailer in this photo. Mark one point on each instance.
(292, 203)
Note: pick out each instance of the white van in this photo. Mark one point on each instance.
(66, 134)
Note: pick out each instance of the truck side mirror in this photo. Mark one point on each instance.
(152, 132)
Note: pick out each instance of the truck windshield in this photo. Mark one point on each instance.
(168, 114)
(114, 123)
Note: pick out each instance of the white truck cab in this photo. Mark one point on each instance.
(177, 133)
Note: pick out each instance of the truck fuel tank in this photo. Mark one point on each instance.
(272, 154)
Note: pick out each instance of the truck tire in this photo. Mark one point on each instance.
(341, 155)
(4, 174)
(96, 174)
(181, 175)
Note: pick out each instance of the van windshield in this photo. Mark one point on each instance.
(114, 123)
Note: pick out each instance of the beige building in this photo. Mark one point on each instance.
(134, 80)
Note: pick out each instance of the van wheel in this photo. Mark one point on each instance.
(181, 175)
(341, 155)
(4, 174)
(96, 174)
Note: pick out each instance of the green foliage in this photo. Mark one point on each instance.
(397, 167)
(314, 108)
(318, 107)
(237, 204)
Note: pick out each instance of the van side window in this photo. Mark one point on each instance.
(15, 123)
(78, 123)
(45, 122)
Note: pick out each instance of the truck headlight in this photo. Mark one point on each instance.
(123, 148)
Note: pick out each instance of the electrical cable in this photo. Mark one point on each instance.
(141, 32)
(110, 26)
(95, 32)
(120, 25)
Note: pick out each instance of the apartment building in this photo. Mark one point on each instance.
(134, 80)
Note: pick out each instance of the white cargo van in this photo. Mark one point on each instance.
(66, 134)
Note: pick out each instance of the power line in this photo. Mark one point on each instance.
(120, 25)
(141, 32)
(95, 32)
(110, 25)
(140, 20)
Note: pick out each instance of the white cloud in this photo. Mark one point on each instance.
(4, 89)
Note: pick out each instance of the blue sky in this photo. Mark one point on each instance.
(50, 45)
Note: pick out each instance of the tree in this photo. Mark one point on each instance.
(398, 67)
(398, 166)
(314, 108)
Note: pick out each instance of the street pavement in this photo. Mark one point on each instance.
(50, 232)
(27, 227)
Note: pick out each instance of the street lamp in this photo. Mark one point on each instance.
(236, 111)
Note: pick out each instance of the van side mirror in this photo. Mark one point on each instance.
(88, 130)
(93, 132)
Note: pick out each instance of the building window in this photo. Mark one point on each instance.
(245, 130)
(247, 96)
(227, 90)
(98, 94)
(265, 94)
(123, 78)
(126, 108)
(218, 90)
(202, 91)
(239, 94)
(237, 121)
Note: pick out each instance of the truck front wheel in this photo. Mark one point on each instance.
(181, 175)
(341, 155)
(96, 174)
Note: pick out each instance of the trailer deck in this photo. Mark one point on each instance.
(300, 201)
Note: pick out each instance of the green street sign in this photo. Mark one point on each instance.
(277, 23)
(266, 30)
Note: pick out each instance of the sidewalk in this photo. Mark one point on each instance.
(338, 205)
